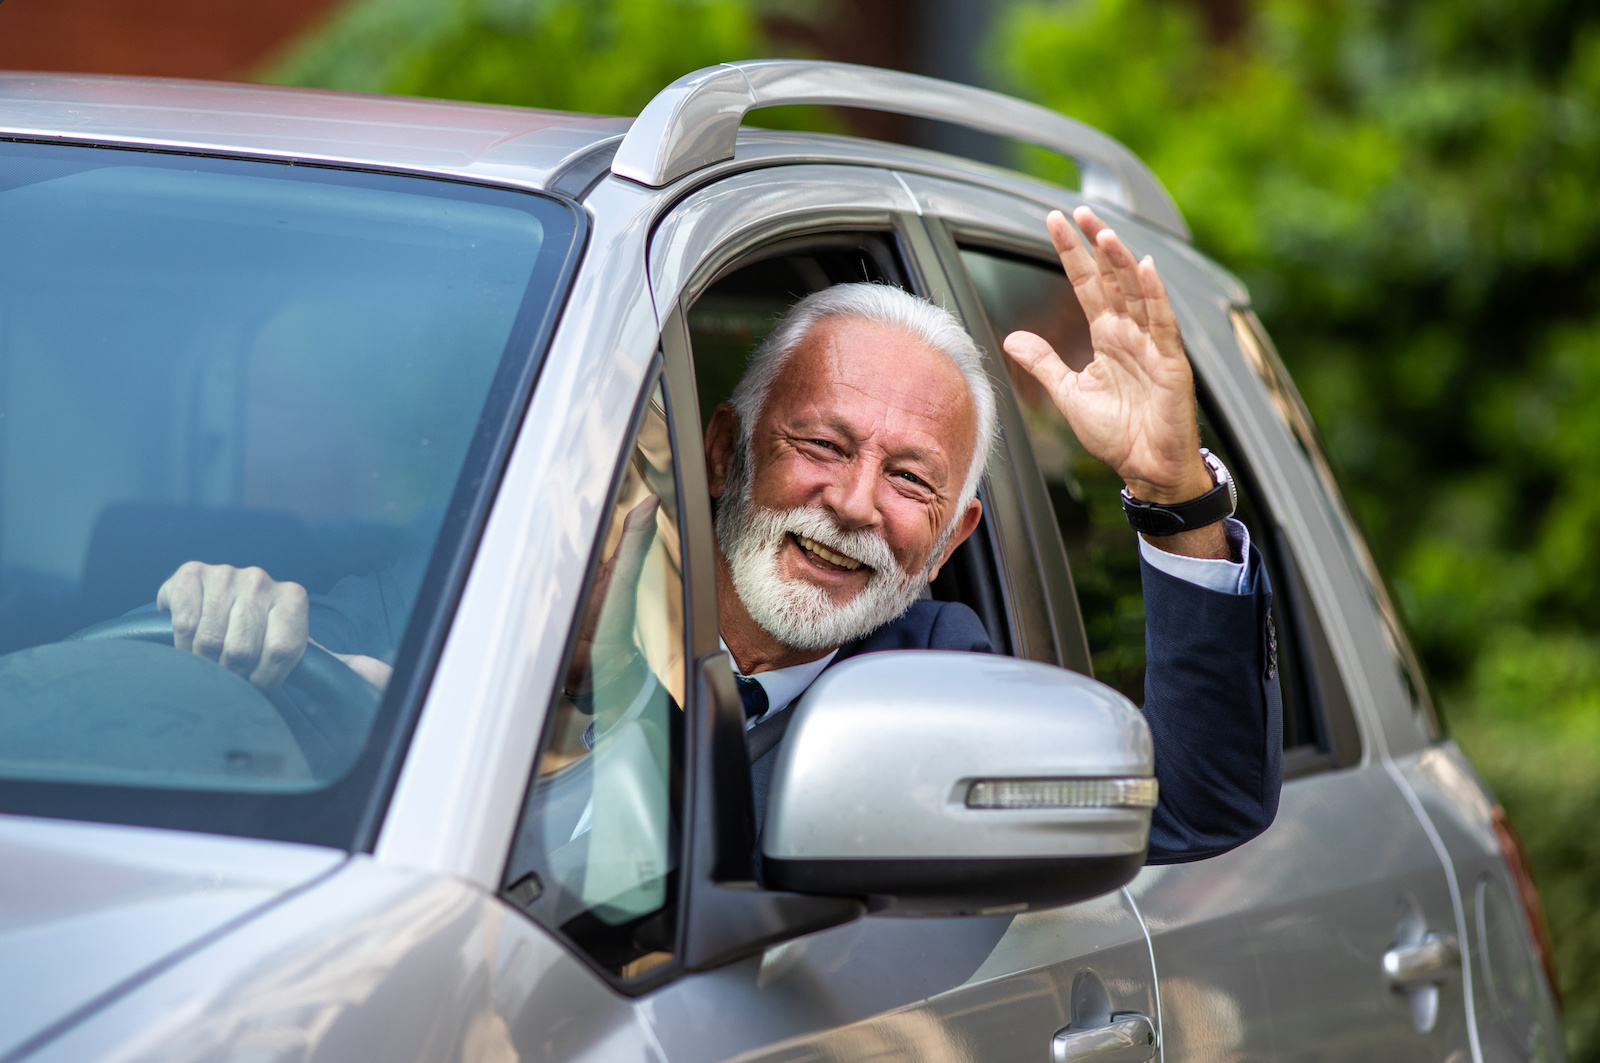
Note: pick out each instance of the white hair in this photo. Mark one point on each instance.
(879, 304)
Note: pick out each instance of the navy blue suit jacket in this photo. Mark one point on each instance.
(1211, 698)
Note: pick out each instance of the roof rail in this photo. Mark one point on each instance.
(693, 123)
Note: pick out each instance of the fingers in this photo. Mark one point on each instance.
(1163, 322)
(371, 669)
(243, 619)
(243, 635)
(1090, 223)
(216, 608)
(1079, 264)
(1125, 269)
(1132, 286)
(1108, 275)
(1035, 354)
(284, 641)
(182, 596)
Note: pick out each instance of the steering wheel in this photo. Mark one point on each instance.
(330, 719)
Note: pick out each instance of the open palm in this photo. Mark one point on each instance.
(1133, 405)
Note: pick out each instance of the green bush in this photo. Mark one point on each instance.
(1409, 191)
(599, 56)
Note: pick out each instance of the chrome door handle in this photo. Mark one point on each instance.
(1129, 1039)
(1436, 958)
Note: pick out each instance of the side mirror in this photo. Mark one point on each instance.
(939, 783)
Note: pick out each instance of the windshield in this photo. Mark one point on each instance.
(259, 402)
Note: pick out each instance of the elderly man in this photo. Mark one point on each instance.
(845, 471)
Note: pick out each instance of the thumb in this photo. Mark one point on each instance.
(1035, 354)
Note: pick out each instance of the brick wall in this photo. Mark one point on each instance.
(222, 39)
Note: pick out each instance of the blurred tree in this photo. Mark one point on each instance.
(601, 56)
(1408, 188)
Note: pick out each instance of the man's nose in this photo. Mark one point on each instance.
(852, 495)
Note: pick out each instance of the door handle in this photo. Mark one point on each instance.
(1434, 959)
(1128, 1039)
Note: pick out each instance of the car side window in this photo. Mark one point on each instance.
(595, 857)
(1018, 293)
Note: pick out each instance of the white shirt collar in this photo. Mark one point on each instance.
(783, 685)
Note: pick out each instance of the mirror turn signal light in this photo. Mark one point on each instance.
(1061, 793)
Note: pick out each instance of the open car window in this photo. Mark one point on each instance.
(1019, 293)
(728, 321)
(306, 371)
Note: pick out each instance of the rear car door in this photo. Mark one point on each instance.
(992, 987)
(1274, 950)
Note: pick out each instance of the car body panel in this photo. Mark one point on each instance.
(719, 222)
(1348, 857)
(86, 909)
(991, 988)
(1511, 1000)
(372, 963)
(509, 144)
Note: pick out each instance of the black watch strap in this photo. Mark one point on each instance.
(1153, 518)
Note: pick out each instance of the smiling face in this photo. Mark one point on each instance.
(852, 498)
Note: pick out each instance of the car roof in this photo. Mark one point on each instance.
(517, 146)
(504, 143)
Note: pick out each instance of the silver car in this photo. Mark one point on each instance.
(423, 357)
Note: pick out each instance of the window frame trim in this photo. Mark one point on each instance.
(1029, 552)
(654, 374)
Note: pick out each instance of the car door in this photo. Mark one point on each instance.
(992, 987)
(1276, 949)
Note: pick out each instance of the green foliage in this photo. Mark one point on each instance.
(600, 56)
(1409, 190)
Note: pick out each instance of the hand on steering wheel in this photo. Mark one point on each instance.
(248, 622)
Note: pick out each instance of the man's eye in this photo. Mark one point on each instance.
(824, 444)
(911, 478)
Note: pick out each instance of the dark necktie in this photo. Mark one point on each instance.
(754, 696)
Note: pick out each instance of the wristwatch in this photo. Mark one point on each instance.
(1153, 518)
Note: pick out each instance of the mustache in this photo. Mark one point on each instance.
(821, 526)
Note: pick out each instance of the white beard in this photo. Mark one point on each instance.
(800, 614)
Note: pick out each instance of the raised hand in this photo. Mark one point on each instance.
(1133, 405)
(241, 618)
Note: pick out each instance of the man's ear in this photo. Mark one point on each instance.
(722, 441)
(969, 524)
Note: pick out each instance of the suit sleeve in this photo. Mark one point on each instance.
(1215, 713)
(367, 614)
